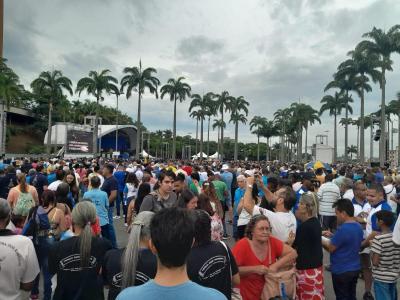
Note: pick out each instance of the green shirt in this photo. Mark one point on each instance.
(194, 189)
(220, 188)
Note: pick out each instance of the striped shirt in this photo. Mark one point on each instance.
(328, 194)
(389, 258)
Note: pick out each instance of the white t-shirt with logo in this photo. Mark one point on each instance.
(18, 263)
(282, 223)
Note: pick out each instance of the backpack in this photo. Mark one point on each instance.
(34, 181)
(24, 204)
(38, 221)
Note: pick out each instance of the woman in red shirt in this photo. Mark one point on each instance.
(253, 259)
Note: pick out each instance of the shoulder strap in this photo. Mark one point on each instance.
(6, 232)
(50, 210)
(229, 257)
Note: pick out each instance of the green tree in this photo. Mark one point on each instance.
(200, 103)
(177, 90)
(257, 123)
(211, 110)
(334, 105)
(10, 92)
(360, 65)
(383, 44)
(219, 124)
(237, 106)
(345, 84)
(268, 130)
(311, 116)
(97, 84)
(352, 150)
(51, 85)
(283, 117)
(138, 80)
(394, 106)
(222, 105)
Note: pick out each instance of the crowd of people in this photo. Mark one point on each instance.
(208, 229)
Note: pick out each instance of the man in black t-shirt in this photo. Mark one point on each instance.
(211, 263)
(110, 186)
(39, 181)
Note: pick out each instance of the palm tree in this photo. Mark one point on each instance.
(345, 84)
(268, 130)
(201, 104)
(237, 106)
(334, 104)
(138, 80)
(394, 106)
(177, 90)
(219, 124)
(222, 105)
(310, 117)
(257, 123)
(382, 44)
(361, 64)
(10, 90)
(196, 115)
(299, 115)
(96, 85)
(282, 117)
(51, 85)
(211, 110)
(352, 149)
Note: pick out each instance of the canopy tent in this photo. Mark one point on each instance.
(145, 154)
(215, 155)
(198, 155)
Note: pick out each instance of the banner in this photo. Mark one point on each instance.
(79, 141)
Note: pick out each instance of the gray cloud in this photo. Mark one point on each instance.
(198, 48)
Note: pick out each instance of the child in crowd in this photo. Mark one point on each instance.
(385, 258)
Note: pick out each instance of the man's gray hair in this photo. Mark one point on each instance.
(5, 209)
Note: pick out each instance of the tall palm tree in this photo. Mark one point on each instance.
(211, 110)
(237, 106)
(268, 130)
(222, 105)
(282, 117)
(51, 84)
(345, 84)
(257, 123)
(196, 115)
(310, 117)
(361, 64)
(97, 84)
(200, 103)
(137, 79)
(219, 124)
(177, 90)
(394, 106)
(299, 113)
(334, 105)
(382, 44)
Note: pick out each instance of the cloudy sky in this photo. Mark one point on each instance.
(272, 52)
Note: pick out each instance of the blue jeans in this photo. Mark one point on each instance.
(383, 290)
(234, 226)
(113, 239)
(345, 284)
(42, 252)
(120, 196)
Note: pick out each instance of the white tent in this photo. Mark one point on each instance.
(198, 155)
(145, 154)
(215, 155)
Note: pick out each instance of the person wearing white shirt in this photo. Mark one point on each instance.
(282, 219)
(390, 191)
(328, 194)
(347, 189)
(18, 261)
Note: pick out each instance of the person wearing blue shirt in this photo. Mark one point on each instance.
(344, 247)
(239, 193)
(120, 175)
(100, 200)
(172, 235)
